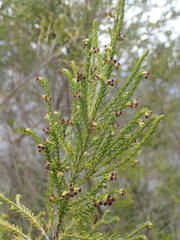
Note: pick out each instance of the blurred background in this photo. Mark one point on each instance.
(40, 37)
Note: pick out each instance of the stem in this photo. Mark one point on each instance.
(140, 228)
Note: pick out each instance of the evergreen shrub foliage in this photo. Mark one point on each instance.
(82, 153)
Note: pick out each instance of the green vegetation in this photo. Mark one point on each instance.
(86, 182)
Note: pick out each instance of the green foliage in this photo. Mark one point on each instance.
(82, 153)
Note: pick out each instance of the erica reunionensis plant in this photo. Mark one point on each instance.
(83, 152)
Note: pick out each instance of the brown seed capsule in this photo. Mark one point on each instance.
(113, 133)
(27, 130)
(104, 185)
(46, 98)
(78, 95)
(118, 113)
(86, 41)
(117, 65)
(95, 50)
(113, 199)
(41, 147)
(110, 82)
(108, 197)
(108, 48)
(51, 198)
(141, 122)
(130, 104)
(60, 174)
(134, 163)
(94, 124)
(122, 192)
(95, 204)
(109, 203)
(69, 122)
(48, 165)
(146, 75)
(122, 36)
(80, 77)
(46, 130)
(110, 14)
(39, 79)
(135, 103)
(65, 194)
(95, 218)
(113, 176)
(148, 114)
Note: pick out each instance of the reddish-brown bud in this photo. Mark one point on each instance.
(41, 147)
(51, 198)
(47, 165)
(110, 82)
(77, 95)
(122, 36)
(146, 75)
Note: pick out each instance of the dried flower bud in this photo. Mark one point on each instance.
(86, 41)
(86, 154)
(108, 197)
(41, 80)
(69, 122)
(47, 117)
(146, 75)
(110, 82)
(115, 125)
(109, 203)
(41, 147)
(135, 162)
(113, 133)
(64, 194)
(46, 98)
(47, 165)
(51, 198)
(110, 15)
(60, 174)
(80, 77)
(108, 48)
(28, 131)
(95, 204)
(141, 122)
(113, 199)
(56, 113)
(104, 185)
(95, 50)
(117, 65)
(78, 95)
(148, 114)
(95, 218)
(77, 190)
(122, 36)
(94, 124)
(122, 191)
(135, 103)
(113, 176)
(118, 113)
(130, 104)
(46, 130)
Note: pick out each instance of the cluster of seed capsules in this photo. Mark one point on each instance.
(107, 202)
(73, 191)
